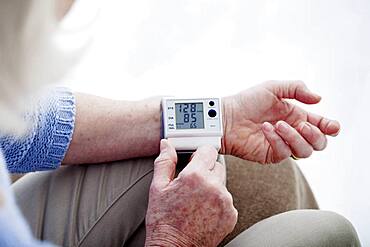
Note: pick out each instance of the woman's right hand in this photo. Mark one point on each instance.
(194, 209)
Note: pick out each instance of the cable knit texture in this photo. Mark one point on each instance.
(44, 146)
(51, 127)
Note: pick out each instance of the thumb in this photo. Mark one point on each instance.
(293, 90)
(164, 165)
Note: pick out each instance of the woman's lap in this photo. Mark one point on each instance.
(87, 205)
(105, 205)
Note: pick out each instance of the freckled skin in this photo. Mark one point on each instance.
(250, 119)
(192, 210)
(196, 209)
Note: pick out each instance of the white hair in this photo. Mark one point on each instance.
(30, 57)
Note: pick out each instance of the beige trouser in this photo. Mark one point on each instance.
(105, 205)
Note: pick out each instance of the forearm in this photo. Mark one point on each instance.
(108, 130)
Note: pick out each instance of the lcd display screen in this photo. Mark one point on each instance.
(189, 115)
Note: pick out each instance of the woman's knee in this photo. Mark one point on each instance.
(319, 228)
(309, 228)
(337, 231)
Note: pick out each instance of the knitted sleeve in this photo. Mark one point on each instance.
(51, 124)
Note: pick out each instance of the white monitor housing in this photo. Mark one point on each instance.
(190, 123)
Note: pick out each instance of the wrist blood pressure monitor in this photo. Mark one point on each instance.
(190, 123)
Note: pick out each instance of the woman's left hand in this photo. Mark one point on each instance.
(260, 125)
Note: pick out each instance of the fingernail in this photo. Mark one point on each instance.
(315, 94)
(267, 127)
(283, 127)
(163, 145)
(312, 93)
(306, 129)
(332, 125)
(163, 149)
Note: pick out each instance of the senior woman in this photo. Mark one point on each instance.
(105, 205)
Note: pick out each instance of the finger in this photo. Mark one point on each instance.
(219, 171)
(327, 126)
(299, 146)
(203, 159)
(293, 90)
(165, 165)
(313, 136)
(279, 147)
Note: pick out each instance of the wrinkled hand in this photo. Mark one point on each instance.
(260, 125)
(194, 209)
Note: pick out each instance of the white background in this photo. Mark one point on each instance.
(144, 48)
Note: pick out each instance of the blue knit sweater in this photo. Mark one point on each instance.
(42, 148)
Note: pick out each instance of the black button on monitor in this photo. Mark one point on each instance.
(211, 103)
(212, 113)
